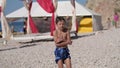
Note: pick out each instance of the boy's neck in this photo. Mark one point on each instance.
(59, 30)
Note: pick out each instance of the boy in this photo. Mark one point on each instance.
(62, 39)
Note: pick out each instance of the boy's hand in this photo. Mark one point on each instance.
(69, 42)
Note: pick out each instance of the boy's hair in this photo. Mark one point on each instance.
(60, 19)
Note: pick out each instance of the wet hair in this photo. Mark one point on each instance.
(59, 19)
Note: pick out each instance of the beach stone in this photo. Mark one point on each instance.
(92, 51)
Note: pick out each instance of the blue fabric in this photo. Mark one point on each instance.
(61, 54)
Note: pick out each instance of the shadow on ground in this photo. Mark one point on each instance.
(23, 46)
(32, 42)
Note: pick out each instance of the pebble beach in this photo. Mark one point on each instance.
(100, 49)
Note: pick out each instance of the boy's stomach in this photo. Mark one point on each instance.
(65, 46)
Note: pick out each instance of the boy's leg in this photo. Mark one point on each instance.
(60, 64)
(68, 63)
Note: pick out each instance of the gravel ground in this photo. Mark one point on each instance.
(98, 50)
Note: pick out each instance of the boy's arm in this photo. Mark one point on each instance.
(68, 41)
(55, 37)
(69, 38)
(63, 43)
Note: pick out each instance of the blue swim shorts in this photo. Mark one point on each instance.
(61, 54)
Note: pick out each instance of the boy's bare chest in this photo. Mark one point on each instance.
(62, 35)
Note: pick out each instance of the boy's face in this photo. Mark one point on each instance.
(60, 25)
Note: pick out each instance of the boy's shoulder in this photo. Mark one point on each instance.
(55, 32)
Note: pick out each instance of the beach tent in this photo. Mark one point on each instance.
(64, 9)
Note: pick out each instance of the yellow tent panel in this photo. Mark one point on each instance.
(85, 25)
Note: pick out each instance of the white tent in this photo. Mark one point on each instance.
(64, 9)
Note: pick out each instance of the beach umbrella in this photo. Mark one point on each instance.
(49, 6)
(6, 32)
(31, 28)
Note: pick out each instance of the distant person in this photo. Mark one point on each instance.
(62, 39)
(12, 28)
(108, 23)
(25, 26)
(115, 19)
